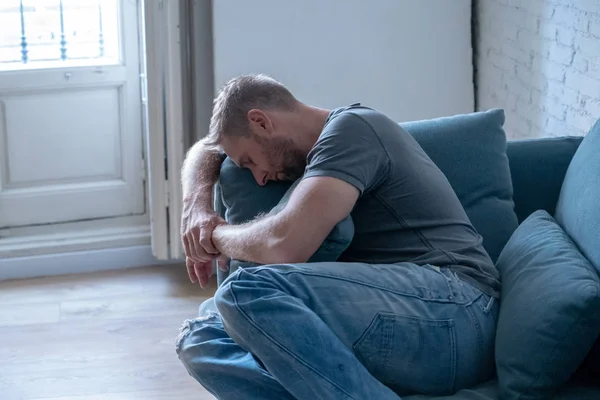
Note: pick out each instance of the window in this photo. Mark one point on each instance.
(58, 33)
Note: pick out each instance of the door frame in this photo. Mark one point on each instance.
(169, 108)
(19, 244)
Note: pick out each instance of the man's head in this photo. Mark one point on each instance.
(255, 122)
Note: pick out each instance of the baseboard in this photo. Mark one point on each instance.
(67, 237)
(78, 262)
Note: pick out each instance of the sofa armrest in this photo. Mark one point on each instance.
(538, 167)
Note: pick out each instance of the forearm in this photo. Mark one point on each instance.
(199, 173)
(263, 241)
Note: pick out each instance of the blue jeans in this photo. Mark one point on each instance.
(341, 331)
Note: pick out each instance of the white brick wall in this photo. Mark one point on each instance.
(540, 61)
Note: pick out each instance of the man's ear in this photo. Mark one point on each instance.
(260, 123)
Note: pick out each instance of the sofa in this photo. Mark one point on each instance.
(536, 203)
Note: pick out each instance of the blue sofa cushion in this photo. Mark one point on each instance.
(578, 207)
(242, 197)
(244, 200)
(537, 169)
(489, 391)
(549, 310)
(471, 151)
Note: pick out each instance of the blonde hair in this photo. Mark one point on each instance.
(240, 95)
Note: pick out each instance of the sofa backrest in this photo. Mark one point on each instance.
(537, 169)
(578, 207)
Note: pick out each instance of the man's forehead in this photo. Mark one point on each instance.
(235, 155)
(236, 150)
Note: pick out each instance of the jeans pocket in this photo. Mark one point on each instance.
(410, 354)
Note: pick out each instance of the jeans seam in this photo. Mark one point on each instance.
(477, 328)
(283, 348)
(448, 280)
(184, 333)
(453, 355)
(387, 289)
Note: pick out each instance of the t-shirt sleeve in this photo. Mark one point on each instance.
(349, 149)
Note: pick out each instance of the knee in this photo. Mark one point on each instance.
(237, 299)
(250, 291)
(225, 302)
(233, 301)
(193, 344)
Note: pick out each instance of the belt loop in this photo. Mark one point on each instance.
(489, 305)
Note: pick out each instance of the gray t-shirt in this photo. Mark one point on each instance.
(407, 210)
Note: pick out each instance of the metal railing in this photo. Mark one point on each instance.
(50, 30)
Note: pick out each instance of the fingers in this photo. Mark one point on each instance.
(200, 247)
(206, 241)
(186, 246)
(199, 255)
(203, 271)
(202, 279)
(196, 233)
(189, 264)
(223, 263)
(199, 272)
(218, 220)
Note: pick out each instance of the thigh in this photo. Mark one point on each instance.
(409, 325)
(346, 293)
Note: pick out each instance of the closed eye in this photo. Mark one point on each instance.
(246, 163)
(243, 163)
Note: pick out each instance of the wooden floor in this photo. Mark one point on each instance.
(99, 336)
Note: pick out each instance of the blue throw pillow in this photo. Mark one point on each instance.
(242, 197)
(577, 209)
(244, 200)
(470, 150)
(549, 310)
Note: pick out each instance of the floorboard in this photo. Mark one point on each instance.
(97, 336)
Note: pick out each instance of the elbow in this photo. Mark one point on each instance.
(284, 250)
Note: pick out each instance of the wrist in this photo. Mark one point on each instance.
(218, 236)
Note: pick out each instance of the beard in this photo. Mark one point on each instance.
(284, 157)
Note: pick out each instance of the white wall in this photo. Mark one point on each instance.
(540, 61)
(411, 59)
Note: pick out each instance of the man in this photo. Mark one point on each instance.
(411, 306)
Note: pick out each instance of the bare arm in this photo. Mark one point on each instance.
(297, 231)
(199, 174)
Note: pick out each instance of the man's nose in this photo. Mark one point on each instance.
(260, 177)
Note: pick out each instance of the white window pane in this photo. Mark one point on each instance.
(55, 33)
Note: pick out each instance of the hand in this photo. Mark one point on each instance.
(197, 225)
(202, 271)
(198, 271)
